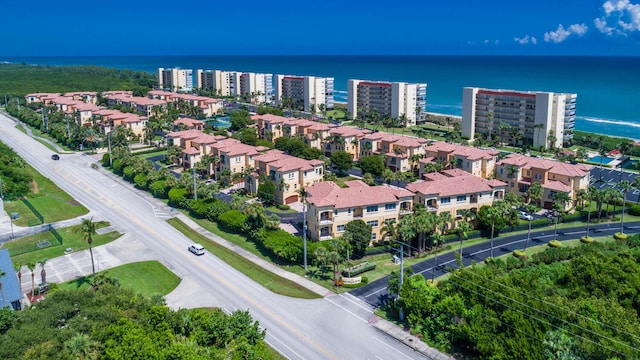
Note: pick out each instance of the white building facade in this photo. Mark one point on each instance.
(175, 79)
(395, 99)
(308, 92)
(542, 119)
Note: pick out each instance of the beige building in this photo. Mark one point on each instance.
(272, 127)
(331, 207)
(307, 92)
(401, 153)
(455, 190)
(288, 173)
(540, 118)
(234, 156)
(194, 144)
(175, 79)
(479, 162)
(387, 99)
(520, 171)
(345, 138)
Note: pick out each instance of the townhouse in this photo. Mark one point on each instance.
(206, 105)
(195, 144)
(272, 127)
(234, 156)
(185, 123)
(520, 171)
(288, 173)
(455, 190)
(479, 162)
(345, 138)
(331, 207)
(387, 99)
(535, 118)
(400, 152)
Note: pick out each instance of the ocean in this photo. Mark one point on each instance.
(608, 88)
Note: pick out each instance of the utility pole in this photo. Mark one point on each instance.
(195, 192)
(5, 101)
(18, 104)
(66, 118)
(304, 230)
(109, 144)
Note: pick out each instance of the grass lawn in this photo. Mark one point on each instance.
(152, 154)
(341, 178)
(275, 210)
(51, 202)
(263, 277)
(146, 277)
(25, 251)
(27, 217)
(335, 114)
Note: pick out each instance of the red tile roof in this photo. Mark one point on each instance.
(452, 186)
(553, 166)
(356, 194)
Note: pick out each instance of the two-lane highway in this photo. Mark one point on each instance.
(334, 327)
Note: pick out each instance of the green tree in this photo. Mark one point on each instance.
(372, 164)
(357, 234)
(535, 192)
(624, 186)
(341, 160)
(266, 191)
(87, 229)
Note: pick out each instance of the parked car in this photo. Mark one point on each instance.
(524, 216)
(196, 249)
(55, 157)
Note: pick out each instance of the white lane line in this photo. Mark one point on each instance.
(283, 344)
(356, 301)
(347, 310)
(375, 292)
(392, 348)
(378, 357)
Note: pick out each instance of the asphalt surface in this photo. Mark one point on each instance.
(332, 327)
(376, 293)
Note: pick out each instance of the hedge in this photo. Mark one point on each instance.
(520, 254)
(620, 236)
(159, 189)
(586, 240)
(358, 269)
(176, 195)
(555, 244)
(233, 220)
(635, 210)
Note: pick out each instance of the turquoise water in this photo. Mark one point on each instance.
(598, 158)
(607, 87)
(220, 121)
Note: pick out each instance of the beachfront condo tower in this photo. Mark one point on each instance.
(533, 118)
(250, 87)
(399, 100)
(308, 93)
(175, 79)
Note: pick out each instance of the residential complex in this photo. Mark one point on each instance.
(387, 99)
(534, 118)
(519, 172)
(479, 162)
(331, 207)
(205, 106)
(454, 191)
(175, 79)
(401, 153)
(257, 87)
(308, 92)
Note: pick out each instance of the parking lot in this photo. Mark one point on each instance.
(611, 178)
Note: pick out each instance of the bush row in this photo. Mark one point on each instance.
(358, 269)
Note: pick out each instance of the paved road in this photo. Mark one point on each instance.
(333, 327)
(375, 293)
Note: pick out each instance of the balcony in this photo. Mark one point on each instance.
(327, 237)
(325, 220)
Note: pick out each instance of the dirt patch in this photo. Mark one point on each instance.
(34, 187)
(73, 203)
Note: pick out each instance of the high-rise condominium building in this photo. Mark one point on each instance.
(534, 118)
(175, 79)
(308, 92)
(387, 99)
(258, 88)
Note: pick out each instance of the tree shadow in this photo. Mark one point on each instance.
(79, 282)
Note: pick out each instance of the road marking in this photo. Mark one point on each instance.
(347, 310)
(283, 344)
(374, 292)
(356, 301)
(392, 348)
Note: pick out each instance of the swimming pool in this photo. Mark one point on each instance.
(220, 121)
(598, 158)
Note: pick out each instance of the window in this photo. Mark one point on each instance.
(324, 231)
(551, 194)
(391, 206)
(372, 208)
(373, 223)
(373, 236)
(335, 212)
(537, 176)
(445, 200)
(460, 198)
(340, 228)
(237, 159)
(290, 175)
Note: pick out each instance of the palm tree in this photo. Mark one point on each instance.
(560, 200)
(18, 266)
(43, 272)
(32, 267)
(530, 209)
(87, 229)
(437, 239)
(390, 230)
(588, 198)
(334, 257)
(2, 274)
(535, 193)
(625, 186)
(462, 230)
(636, 185)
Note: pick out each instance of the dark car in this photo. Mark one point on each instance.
(55, 157)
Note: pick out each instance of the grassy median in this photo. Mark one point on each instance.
(263, 277)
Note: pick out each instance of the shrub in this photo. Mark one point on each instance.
(128, 173)
(159, 189)
(555, 244)
(233, 220)
(118, 166)
(365, 280)
(284, 245)
(358, 269)
(141, 181)
(620, 236)
(635, 210)
(283, 207)
(586, 240)
(520, 254)
(105, 160)
(176, 195)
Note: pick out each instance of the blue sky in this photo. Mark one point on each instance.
(200, 27)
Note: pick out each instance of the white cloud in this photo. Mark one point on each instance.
(561, 34)
(491, 42)
(621, 17)
(526, 40)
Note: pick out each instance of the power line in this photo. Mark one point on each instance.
(552, 304)
(542, 320)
